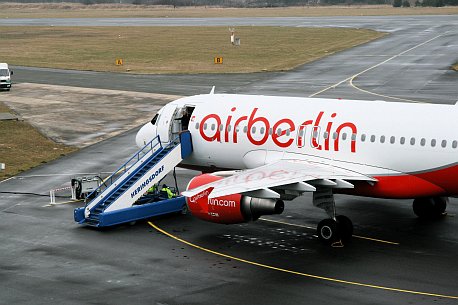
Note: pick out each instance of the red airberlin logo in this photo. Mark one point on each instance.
(203, 194)
(281, 132)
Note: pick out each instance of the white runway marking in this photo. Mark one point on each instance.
(352, 78)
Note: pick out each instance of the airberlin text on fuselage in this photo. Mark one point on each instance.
(280, 132)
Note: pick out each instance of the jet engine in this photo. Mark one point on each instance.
(229, 209)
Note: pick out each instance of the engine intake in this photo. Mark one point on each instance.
(253, 208)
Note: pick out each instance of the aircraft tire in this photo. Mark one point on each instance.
(346, 227)
(430, 208)
(184, 210)
(440, 205)
(328, 231)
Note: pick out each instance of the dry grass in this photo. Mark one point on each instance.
(68, 10)
(3, 108)
(455, 67)
(22, 147)
(174, 49)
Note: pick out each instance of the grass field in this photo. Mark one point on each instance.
(67, 10)
(174, 49)
(22, 147)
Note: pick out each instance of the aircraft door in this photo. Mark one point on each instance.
(301, 133)
(165, 123)
(315, 137)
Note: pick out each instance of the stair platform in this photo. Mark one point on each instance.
(123, 196)
(135, 212)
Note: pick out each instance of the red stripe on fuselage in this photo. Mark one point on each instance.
(441, 182)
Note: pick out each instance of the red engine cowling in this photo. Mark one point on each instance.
(228, 209)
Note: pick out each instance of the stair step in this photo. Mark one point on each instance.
(92, 223)
(146, 166)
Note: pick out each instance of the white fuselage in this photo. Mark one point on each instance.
(398, 140)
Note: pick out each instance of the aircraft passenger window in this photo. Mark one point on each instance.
(213, 127)
(278, 131)
(344, 136)
(433, 142)
(197, 125)
(422, 141)
(353, 136)
(372, 138)
(237, 128)
(205, 126)
(335, 135)
(229, 127)
(402, 140)
(288, 132)
(382, 139)
(315, 134)
(245, 129)
(301, 132)
(412, 141)
(221, 127)
(444, 143)
(455, 144)
(270, 131)
(363, 137)
(253, 129)
(261, 130)
(392, 139)
(325, 135)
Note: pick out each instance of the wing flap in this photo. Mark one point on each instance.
(295, 175)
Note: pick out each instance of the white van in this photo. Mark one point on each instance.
(5, 76)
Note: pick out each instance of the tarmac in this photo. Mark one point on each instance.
(394, 258)
(80, 117)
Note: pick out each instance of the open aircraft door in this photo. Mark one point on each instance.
(165, 123)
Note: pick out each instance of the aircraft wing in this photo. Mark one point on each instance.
(290, 176)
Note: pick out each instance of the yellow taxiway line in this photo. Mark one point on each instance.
(312, 228)
(318, 277)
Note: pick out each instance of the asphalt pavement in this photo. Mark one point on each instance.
(394, 259)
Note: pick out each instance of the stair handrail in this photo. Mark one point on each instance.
(123, 168)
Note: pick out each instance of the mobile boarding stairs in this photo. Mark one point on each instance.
(116, 200)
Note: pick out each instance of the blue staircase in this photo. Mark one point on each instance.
(114, 201)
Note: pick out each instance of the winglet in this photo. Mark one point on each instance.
(213, 90)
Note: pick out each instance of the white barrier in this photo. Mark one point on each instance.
(52, 194)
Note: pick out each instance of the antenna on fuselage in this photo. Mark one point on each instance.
(213, 90)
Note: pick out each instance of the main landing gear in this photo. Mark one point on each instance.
(337, 229)
(430, 207)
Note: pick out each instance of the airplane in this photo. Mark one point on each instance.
(255, 152)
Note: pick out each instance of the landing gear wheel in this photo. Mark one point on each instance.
(440, 205)
(184, 210)
(345, 227)
(328, 231)
(430, 208)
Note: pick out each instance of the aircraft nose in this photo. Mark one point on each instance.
(145, 135)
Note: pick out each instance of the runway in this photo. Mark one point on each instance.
(46, 258)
